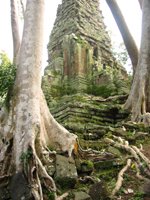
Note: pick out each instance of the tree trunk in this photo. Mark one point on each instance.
(139, 98)
(140, 2)
(22, 7)
(28, 128)
(15, 30)
(126, 35)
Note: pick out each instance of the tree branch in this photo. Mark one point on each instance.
(23, 9)
(15, 31)
(124, 30)
(140, 2)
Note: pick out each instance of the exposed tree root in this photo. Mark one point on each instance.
(88, 153)
(138, 174)
(50, 132)
(120, 178)
(141, 162)
(62, 196)
(146, 119)
(142, 156)
(86, 179)
(126, 147)
(42, 173)
(34, 171)
(53, 133)
(34, 167)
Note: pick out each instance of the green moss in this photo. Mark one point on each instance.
(25, 156)
(100, 90)
(110, 177)
(89, 164)
(48, 195)
(97, 145)
(66, 182)
(138, 196)
(51, 196)
(84, 166)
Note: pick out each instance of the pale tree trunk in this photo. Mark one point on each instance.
(28, 128)
(15, 30)
(139, 98)
(140, 2)
(22, 7)
(126, 35)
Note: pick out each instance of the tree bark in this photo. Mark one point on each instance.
(126, 35)
(29, 129)
(15, 30)
(28, 80)
(139, 97)
(22, 6)
(140, 2)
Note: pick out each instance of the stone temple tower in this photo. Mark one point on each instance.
(79, 43)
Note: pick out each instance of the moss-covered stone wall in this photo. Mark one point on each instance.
(79, 46)
(79, 38)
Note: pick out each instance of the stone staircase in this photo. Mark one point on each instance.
(94, 119)
(88, 116)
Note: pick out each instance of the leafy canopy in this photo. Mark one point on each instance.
(7, 75)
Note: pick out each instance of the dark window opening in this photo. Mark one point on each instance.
(95, 53)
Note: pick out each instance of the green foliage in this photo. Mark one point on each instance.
(56, 90)
(25, 156)
(138, 196)
(48, 194)
(89, 164)
(111, 184)
(120, 53)
(51, 196)
(63, 89)
(7, 75)
(100, 90)
(55, 86)
(122, 86)
(47, 91)
(116, 85)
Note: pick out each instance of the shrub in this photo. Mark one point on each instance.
(7, 75)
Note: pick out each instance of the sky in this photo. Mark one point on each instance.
(132, 13)
(130, 10)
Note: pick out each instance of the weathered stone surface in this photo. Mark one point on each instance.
(87, 115)
(81, 196)
(146, 190)
(108, 164)
(103, 79)
(114, 151)
(80, 41)
(51, 169)
(85, 167)
(82, 18)
(4, 193)
(19, 188)
(90, 136)
(66, 173)
(98, 192)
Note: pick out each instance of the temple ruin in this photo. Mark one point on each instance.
(79, 43)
